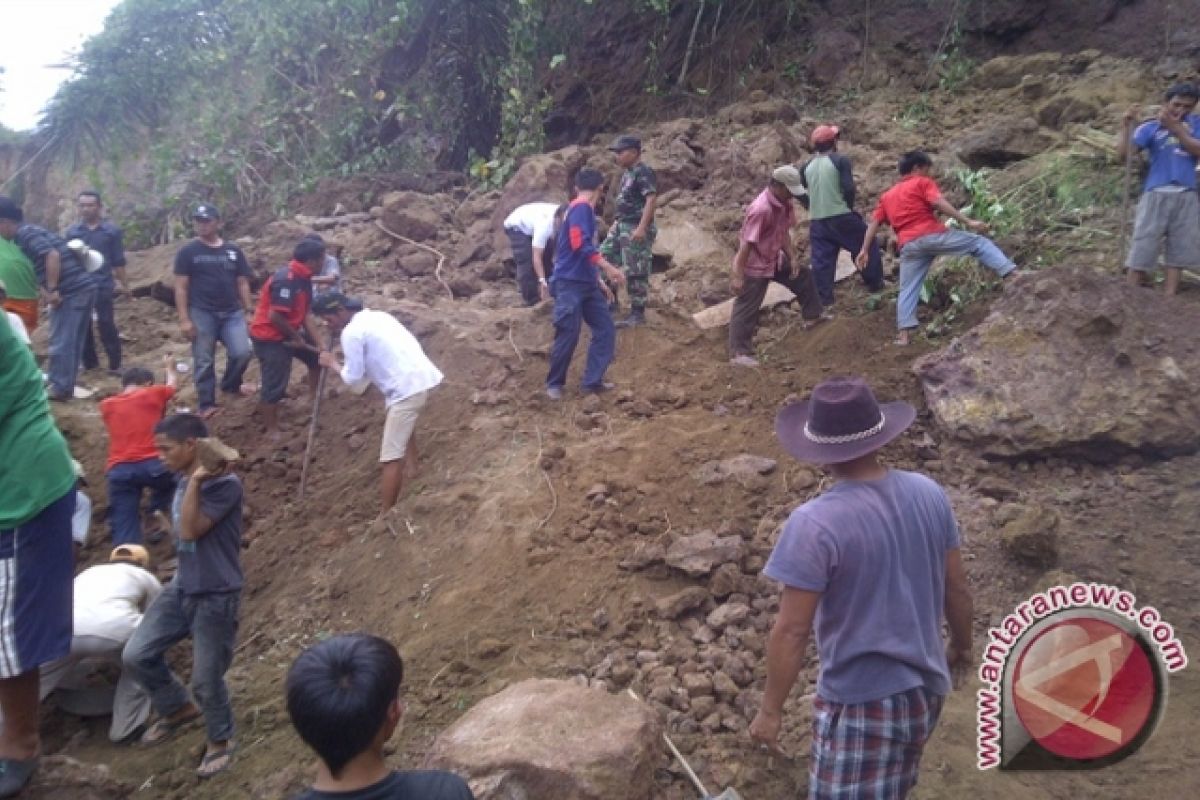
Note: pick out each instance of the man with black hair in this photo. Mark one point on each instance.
(70, 292)
(212, 296)
(379, 350)
(133, 463)
(279, 328)
(530, 229)
(329, 277)
(1169, 207)
(343, 696)
(104, 237)
(834, 225)
(200, 602)
(909, 208)
(580, 294)
(37, 501)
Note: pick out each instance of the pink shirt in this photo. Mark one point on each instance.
(767, 225)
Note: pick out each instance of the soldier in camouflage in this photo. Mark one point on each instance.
(632, 235)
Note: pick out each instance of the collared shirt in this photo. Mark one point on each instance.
(908, 208)
(575, 254)
(111, 598)
(289, 291)
(381, 350)
(105, 239)
(1170, 164)
(535, 220)
(37, 243)
(766, 227)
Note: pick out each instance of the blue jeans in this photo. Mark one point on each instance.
(125, 485)
(110, 337)
(212, 622)
(917, 257)
(68, 328)
(229, 328)
(576, 302)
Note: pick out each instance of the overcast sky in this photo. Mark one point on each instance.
(36, 34)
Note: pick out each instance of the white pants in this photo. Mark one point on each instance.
(129, 704)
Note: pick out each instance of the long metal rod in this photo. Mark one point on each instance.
(312, 431)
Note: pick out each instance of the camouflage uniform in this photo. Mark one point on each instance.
(637, 184)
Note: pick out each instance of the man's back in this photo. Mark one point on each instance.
(388, 355)
(407, 785)
(826, 177)
(110, 599)
(876, 551)
(130, 419)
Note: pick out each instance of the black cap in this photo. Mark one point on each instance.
(333, 302)
(206, 211)
(626, 142)
(10, 210)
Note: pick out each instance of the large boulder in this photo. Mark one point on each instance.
(998, 142)
(1072, 362)
(545, 738)
(418, 216)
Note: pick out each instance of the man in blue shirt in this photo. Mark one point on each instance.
(1169, 208)
(104, 237)
(872, 564)
(579, 293)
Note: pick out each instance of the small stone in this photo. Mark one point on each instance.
(726, 580)
(490, 648)
(728, 614)
(1032, 537)
(591, 404)
(804, 478)
(997, 488)
(678, 604)
(599, 491)
(600, 619)
(646, 657)
(704, 635)
(703, 706)
(697, 684)
(724, 686)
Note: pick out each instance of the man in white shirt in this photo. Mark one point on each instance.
(109, 602)
(381, 351)
(530, 230)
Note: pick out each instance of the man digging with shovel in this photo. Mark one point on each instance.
(875, 563)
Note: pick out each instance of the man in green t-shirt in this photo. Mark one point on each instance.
(37, 501)
(16, 271)
(834, 225)
(631, 237)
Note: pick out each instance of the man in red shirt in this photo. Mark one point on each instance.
(909, 208)
(276, 330)
(766, 254)
(133, 462)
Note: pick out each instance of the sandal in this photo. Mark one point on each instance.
(165, 729)
(206, 770)
(14, 775)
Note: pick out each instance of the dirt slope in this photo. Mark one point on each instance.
(500, 563)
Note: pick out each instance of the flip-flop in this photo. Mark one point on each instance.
(164, 730)
(227, 754)
(14, 775)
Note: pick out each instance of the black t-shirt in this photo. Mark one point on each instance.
(408, 785)
(213, 272)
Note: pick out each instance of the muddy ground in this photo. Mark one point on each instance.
(506, 560)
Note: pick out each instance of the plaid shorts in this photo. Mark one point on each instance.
(870, 751)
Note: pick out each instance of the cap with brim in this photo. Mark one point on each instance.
(789, 176)
(131, 552)
(840, 422)
(625, 143)
(333, 302)
(206, 211)
(825, 134)
(10, 210)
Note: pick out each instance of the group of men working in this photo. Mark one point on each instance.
(879, 696)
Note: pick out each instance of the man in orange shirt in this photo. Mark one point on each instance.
(133, 462)
(280, 323)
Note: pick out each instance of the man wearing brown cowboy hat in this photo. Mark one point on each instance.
(873, 563)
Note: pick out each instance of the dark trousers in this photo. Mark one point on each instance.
(106, 321)
(743, 321)
(125, 485)
(576, 302)
(829, 236)
(211, 620)
(522, 250)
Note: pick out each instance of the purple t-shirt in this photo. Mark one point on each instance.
(876, 550)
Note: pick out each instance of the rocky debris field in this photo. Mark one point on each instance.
(614, 543)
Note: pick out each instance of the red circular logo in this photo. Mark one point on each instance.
(1084, 688)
